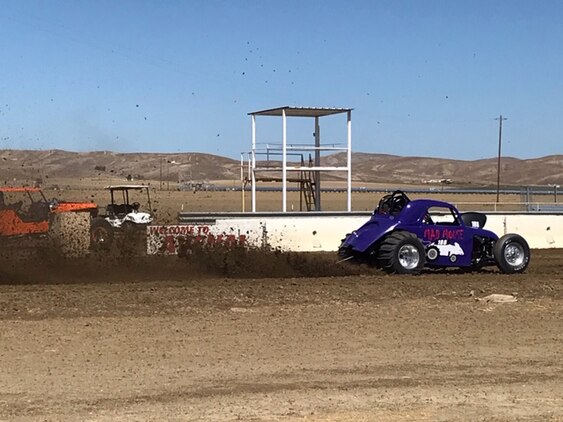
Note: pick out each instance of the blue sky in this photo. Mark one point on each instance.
(424, 78)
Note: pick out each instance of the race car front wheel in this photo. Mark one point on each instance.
(512, 253)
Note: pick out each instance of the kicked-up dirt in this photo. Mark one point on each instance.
(280, 337)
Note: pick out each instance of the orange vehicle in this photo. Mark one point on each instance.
(26, 211)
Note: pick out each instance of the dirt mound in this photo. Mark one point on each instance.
(47, 266)
(232, 263)
(253, 263)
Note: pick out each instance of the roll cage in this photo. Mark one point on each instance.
(121, 204)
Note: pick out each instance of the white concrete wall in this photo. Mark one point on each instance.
(315, 234)
(540, 231)
(241, 231)
(324, 233)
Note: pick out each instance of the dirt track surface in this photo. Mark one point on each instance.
(166, 339)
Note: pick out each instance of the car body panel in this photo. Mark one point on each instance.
(11, 224)
(28, 212)
(61, 207)
(447, 244)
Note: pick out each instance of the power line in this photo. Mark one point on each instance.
(500, 119)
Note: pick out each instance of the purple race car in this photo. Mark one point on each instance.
(403, 236)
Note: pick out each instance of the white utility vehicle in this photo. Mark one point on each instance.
(123, 215)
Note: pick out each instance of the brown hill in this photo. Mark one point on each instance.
(390, 168)
(20, 165)
(26, 164)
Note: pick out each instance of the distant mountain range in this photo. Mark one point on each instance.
(52, 164)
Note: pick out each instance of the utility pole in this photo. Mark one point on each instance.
(168, 174)
(500, 119)
(161, 173)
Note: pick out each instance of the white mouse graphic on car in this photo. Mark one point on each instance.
(443, 248)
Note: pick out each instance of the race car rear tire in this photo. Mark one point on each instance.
(402, 253)
(512, 253)
(101, 234)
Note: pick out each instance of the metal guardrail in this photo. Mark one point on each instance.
(538, 190)
(551, 208)
(525, 207)
(501, 208)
